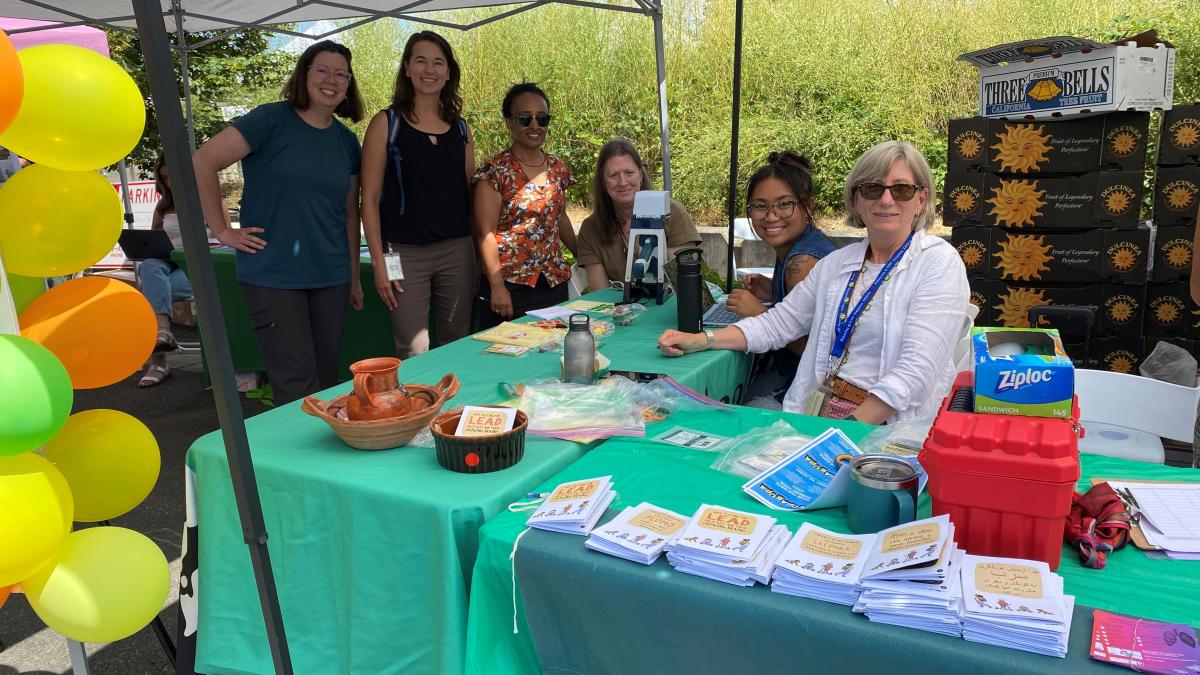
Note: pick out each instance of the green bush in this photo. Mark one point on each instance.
(827, 78)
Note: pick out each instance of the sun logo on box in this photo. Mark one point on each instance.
(978, 299)
(1167, 310)
(1117, 199)
(1124, 256)
(1120, 361)
(1196, 313)
(1177, 253)
(1024, 257)
(1121, 309)
(1180, 194)
(1015, 305)
(1017, 202)
(1124, 141)
(1022, 147)
(963, 199)
(969, 144)
(1185, 134)
(972, 253)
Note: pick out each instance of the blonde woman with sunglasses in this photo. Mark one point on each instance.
(521, 214)
(883, 315)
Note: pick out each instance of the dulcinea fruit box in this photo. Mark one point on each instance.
(1101, 199)
(1118, 307)
(1093, 255)
(1068, 76)
(1112, 142)
(1179, 136)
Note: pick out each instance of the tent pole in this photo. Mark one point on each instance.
(181, 45)
(156, 52)
(122, 171)
(731, 204)
(661, 62)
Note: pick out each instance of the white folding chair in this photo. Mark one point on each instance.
(963, 356)
(1124, 415)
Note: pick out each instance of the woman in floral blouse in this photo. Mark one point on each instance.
(520, 214)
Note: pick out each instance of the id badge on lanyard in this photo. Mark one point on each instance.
(391, 262)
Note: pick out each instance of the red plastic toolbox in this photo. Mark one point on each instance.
(1006, 481)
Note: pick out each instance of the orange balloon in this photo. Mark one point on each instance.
(14, 81)
(101, 329)
(4, 594)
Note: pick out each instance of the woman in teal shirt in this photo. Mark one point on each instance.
(298, 252)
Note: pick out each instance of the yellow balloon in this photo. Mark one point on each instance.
(109, 459)
(80, 110)
(57, 222)
(105, 585)
(35, 515)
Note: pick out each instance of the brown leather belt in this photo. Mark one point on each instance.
(844, 390)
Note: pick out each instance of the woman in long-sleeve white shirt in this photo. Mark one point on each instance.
(884, 357)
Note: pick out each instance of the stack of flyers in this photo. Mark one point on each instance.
(574, 507)
(1015, 603)
(910, 577)
(727, 545)
(809, 478)
(822, 565)
(639, 533)
(1143, 645)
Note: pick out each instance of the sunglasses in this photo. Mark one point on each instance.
(901, 192)
(525, 119)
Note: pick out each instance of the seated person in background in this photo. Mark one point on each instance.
(161, 281)
(604, 235)
(883, 314)
(779, 201)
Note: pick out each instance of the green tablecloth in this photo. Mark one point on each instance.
(373, 551)
(368, 332)
(680, 480)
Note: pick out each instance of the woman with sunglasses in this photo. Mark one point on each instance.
(521, 216)
(297, 254)
(604, 235)
(779, 201)
(883, 315)
(418, 159)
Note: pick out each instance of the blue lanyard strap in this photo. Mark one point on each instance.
(847, 320)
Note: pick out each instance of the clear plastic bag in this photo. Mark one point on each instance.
(903, 439)
(759, 449)
(1170, 363)
(583, 412)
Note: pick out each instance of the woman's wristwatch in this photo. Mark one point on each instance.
(710, 339)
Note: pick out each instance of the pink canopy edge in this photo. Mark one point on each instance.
(82, 36)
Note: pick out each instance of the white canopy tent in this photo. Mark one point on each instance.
(226, 17)
(151, 20)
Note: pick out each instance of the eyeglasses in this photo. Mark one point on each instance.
(901, 192)
(525, 119)
(339, 76)
(783, 209)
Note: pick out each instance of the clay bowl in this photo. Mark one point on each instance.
(392, 432)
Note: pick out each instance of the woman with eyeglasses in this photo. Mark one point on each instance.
(779, 201)
(418, 159)
(883, 315)
(521, 216)
(604, 235)
(298, 249)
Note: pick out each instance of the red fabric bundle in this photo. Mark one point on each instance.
(1098, 525)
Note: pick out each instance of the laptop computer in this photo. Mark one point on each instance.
(145, 244)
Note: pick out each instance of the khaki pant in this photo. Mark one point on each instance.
(440, 274)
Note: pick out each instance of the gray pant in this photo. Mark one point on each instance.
(444, 273)
(299, 334)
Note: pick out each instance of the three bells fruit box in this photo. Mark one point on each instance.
(1022, 371)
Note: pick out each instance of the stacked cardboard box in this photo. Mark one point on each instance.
(1045, 212)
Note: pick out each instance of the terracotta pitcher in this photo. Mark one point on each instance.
(378, 393)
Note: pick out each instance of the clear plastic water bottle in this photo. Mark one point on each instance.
(579, 351)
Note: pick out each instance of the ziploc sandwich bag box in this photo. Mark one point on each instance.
(1022, 384)
(1068, 76)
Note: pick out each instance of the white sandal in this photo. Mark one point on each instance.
(149, 378)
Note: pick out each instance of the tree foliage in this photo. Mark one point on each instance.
(239, 70)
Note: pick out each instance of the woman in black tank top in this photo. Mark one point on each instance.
(417, 161)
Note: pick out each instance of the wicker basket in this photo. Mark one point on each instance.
(477, 454)
(387, 433)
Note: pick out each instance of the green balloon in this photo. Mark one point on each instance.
(25, 290)
(35, 395)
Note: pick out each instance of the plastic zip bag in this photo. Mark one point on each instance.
(759, 449)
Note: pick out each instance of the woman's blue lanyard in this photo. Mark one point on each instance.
(847, 320)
